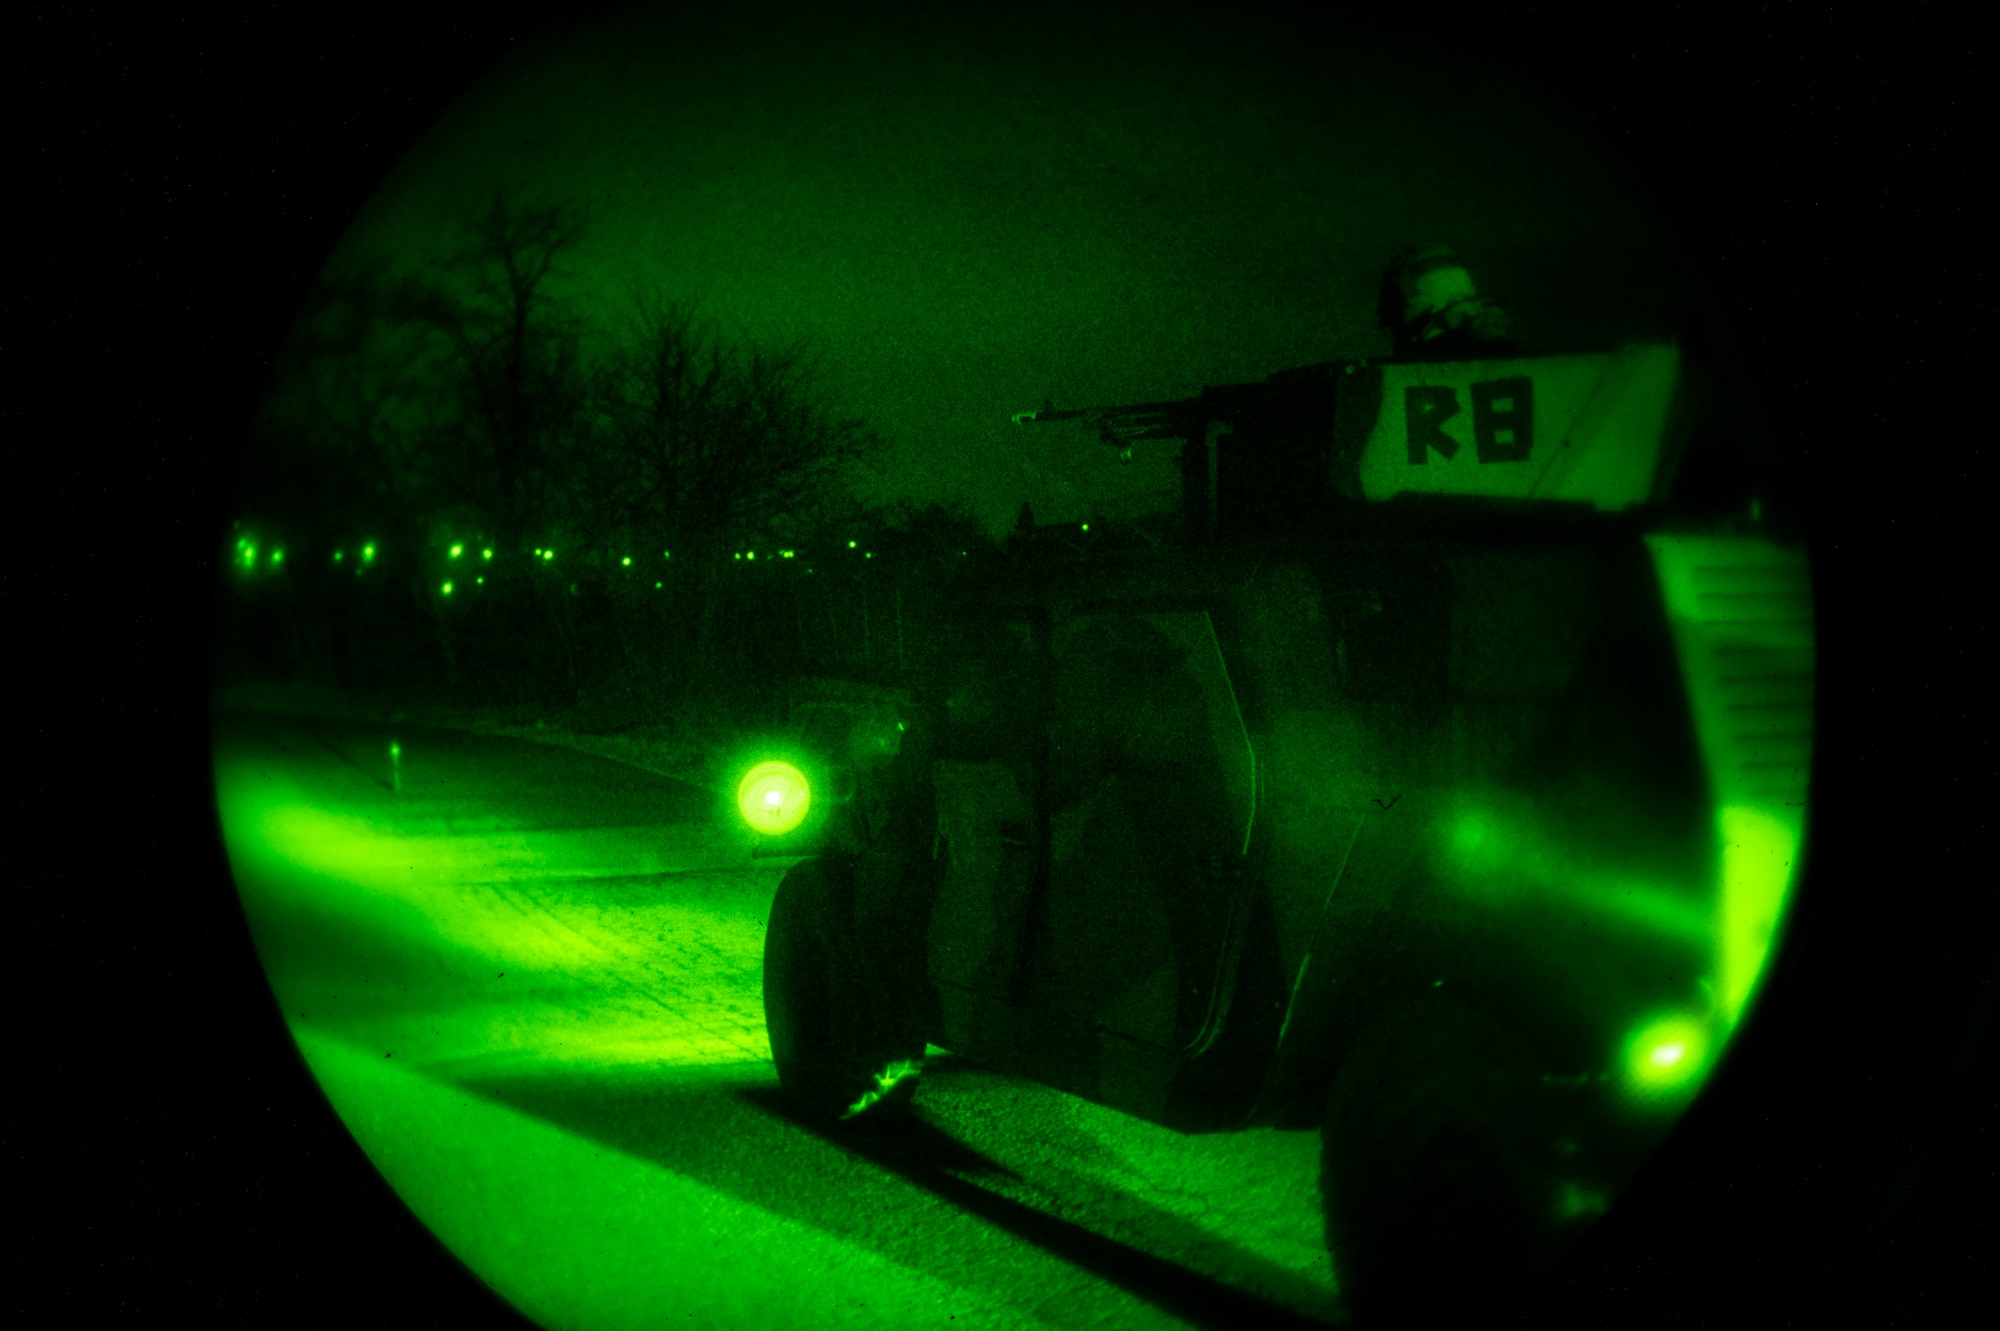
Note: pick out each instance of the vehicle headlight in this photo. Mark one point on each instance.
(773, 797)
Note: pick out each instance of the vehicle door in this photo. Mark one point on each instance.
(1151, 796)
(988, 839)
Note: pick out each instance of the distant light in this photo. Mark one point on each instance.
(548, 554)
(368, 550)
(447, 589)
(457, 550)
(737, 555)
(786, 553)
(480, 581)
(658, 585)
(278, 556)
(486, 554)
(666, 554)
(751, 555)
(1086, 526)
(868, 554)
(850, 545)
(627, 561)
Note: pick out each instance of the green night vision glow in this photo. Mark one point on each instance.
(773, 797)
(1575, 1202)
(1741, 613)
(1757, 855)
(1498, 860)
(277, 557)
(885, 1081)
(1664, 1055)
(539, 1132)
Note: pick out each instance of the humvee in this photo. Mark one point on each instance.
(1438, 786)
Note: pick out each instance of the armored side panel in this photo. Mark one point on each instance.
(1593, 828)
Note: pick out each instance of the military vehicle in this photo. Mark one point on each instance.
(1437, 785)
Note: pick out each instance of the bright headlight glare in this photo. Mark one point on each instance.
(774, 797)
(1666, 1057)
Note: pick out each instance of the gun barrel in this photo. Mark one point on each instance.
(1138, 413)
(1046, 414)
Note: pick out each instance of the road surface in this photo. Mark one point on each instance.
(528, 980)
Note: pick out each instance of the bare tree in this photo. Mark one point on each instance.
(711, 446)
(714, 441)
(508, 349)
(474, 401)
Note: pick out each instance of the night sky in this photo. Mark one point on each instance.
(964, 215)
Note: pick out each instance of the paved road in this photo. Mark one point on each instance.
(528, 980)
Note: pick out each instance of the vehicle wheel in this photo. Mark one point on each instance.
(839, 1047)
(1428, 1170)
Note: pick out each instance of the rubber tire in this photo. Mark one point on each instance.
(1428, 1170)
(827, 1012)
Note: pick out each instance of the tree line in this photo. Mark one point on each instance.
(481, 485)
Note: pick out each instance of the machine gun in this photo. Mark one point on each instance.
(1190, 418)
(1252, 455)
(1121, 427)
(1514, 436)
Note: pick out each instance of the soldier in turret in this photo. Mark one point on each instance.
(1431, 310)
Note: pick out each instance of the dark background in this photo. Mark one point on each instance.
(180, 177)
